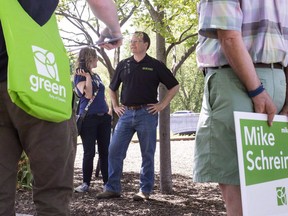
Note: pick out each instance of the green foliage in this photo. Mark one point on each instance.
(126, 7)
(24, 175)
(191, 82)
(179, 18)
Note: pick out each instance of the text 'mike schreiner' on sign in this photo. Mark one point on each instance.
(263, 163)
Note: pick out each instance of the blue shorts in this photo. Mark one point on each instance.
(215, 154)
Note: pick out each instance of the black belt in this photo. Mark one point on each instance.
(136, 107)
(97, 114)
(256, 65)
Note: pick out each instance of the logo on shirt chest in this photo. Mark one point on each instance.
(147, 69)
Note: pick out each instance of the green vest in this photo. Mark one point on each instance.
(38, 67)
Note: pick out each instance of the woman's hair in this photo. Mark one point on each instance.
(86, 56)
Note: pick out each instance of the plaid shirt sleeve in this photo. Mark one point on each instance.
(226, 15)
(264, 30)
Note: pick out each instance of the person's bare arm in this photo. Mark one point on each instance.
(106, 11)
(85, 86)
(119, 110)
(155, 108)
(284, 110)
(241, 62)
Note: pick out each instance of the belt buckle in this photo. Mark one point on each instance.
(134, 107)
(130, 107)
(273, 65)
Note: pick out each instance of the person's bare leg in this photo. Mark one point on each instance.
(232, 198)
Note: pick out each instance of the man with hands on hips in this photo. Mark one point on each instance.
(140, 76)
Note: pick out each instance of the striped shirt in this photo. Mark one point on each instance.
(262, 23)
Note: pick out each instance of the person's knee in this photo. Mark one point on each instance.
(232, 198)
(230, 191)
(89, 156)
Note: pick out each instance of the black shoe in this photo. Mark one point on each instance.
(108, 195)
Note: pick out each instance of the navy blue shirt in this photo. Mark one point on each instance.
(140, 80)
(99, 104)
(40, 11)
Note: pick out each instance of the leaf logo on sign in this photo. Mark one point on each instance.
(45, 63)
(281, 196)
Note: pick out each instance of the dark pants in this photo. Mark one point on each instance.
(49, 148)
(95, 128)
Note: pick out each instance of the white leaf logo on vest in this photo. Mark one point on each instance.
(45, 63)
(46, 67)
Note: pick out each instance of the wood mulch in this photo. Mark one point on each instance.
(186, 199)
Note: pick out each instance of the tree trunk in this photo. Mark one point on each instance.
(164, 125)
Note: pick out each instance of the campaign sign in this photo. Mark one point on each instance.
(263, 163)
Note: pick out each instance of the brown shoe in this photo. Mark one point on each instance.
(108, 195)
(141, 196)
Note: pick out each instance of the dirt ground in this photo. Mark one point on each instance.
(187, 198)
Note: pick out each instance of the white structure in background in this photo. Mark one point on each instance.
(183, 122)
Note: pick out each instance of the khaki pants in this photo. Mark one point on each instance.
(49, 147)
(215, 152)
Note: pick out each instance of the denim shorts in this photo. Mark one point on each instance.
(215, 153)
